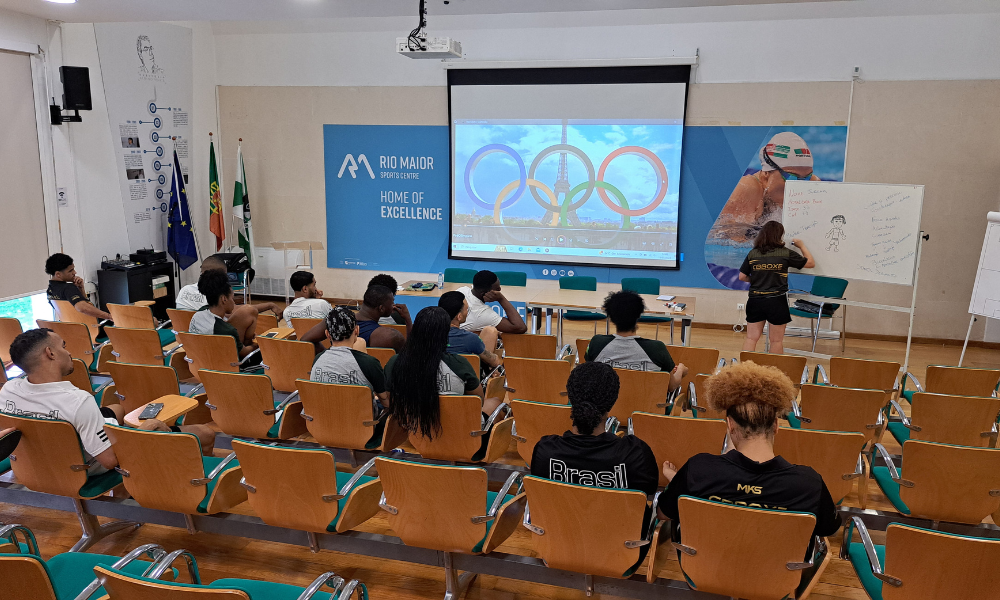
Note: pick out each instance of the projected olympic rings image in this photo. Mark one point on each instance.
(570, 190)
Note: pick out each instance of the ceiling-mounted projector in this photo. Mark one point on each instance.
(435, 47)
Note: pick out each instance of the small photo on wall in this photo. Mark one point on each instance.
(130, 142)
(135, 174)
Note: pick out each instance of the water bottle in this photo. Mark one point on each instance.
(440, 281)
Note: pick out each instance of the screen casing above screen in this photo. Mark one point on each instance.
(577, 166)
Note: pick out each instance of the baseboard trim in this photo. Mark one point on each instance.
(883, 337)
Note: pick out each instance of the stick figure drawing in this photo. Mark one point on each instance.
(836, 233)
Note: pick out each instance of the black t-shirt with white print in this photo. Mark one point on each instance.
(603, 460)
(768, 271)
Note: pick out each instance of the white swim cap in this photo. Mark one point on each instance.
(787, 150)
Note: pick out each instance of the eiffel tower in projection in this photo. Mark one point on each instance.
(561, 187)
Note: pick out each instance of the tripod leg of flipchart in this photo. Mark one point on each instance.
(972, 319)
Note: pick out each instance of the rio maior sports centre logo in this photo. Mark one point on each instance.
(352, 166)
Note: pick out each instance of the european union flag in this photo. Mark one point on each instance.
(180, 233)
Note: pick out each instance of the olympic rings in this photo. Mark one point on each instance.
(661, 183)
(497, 220)
(574, 151)
(626, 221)
(482, 153)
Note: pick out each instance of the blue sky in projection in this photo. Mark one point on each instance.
(632, 175)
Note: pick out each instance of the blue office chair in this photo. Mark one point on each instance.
(828, 287)
(648, 285)
(581, 283)
(512, 278)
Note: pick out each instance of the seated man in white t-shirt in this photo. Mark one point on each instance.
(189, 298)
(43, 393)
(486, 288)
(308, 302)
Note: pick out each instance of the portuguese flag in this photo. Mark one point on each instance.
(216, 223)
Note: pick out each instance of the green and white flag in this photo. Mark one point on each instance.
(241, 208)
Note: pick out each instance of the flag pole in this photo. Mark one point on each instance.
(236, 229)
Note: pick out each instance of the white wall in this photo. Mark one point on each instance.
(16, 27)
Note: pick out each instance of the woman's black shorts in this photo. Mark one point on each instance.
(773, 309)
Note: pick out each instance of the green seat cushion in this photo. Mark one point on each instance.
(166, 336)
(908, 394)
(98, 485)
(5, 465)
(70, 572)
(209, 463)
(794, 422)
(583, 315)
(890, 488)
(859, 560)
(490, 498)
(97, 394)
(273, 431)
(899, 431)
(655, 319)
(342, 479)
(265, 590)
(101, 339)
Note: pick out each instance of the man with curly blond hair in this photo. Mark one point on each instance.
(753, 397)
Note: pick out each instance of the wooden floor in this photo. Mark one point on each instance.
(222, 556)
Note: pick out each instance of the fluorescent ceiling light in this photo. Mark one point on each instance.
(63, 1)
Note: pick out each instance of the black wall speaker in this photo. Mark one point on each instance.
(76, 88)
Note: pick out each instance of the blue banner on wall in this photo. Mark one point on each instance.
(388, 198)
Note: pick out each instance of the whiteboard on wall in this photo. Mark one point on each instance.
(986, 291)
(861, 231)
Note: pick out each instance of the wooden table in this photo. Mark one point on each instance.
(563, 300)
(279, 333)
(173, 407)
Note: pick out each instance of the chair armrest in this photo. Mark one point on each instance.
(103, 386)
(392, 510)
(11, 531)
(912, 378)
(103, 322)
(564, 352)
(820, 372)
(893, 472)
(805, 375)
(245, 358)
(98, 347)
(196, 389)
(859, 470)
(352, 586)
(872, 556)
(169, 559)
(671, 398)
(722, 363)
(329, 579)
(801, 566)
(172, 350)
(502, 494)
(154, 551)
(346, 489)
(611, 425)
(906, 420)
(215, 472)
(163, 324)
(797, 411)
(692, 397)
(526, 521)
(503, 408)
(281, 405)
(517, 438)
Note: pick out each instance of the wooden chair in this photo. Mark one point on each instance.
(285, 361)
(860, 373)
(529, 345)
(957, 381)
(744, 552)
(919, 564)
(139, 346)
(49, 459)
(382, 354)
(698, 361)
(342, 416)
(211, 353)
(64, 311)
(537, 380)
(139, 316)
(534, 420)
(697, 400)
(449, 509)
(400, 328)
(180, 320)
(942, 482)
(265, 323)
(325, 500)
(81, 345)
(829, 408)
(303, 325)
(947, 419)
(794, 367)
(644, 391)
(80, 378)
(581, 349)
(462, 430)
(474, 360)
(243, 405)
(604, 534)
(138, 385)
(676, 439)
(9, 329)
(835, 455)
(166, 471)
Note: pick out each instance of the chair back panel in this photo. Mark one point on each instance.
(474, 360)
(528, 345)
(512, 278)
(842, 409)
(285, 361)
(284, 477)
(339, 413)
(138, 385)
(9, 329)
(578, 282)
(863, 374)
(240, 400)
(642, 285)
(382, 354)
(265, 322)
(120, 586)
(209, 352)
(791, 366)
(951, 483)
(180, 320)
(24, 576)
(697, 360)
(400, 328)
(537, 380)
(581, 349)
(131, 316)
(43, 458)
(832, 454)
(460, 416)
(161, 466)
(136, 346)
(958, 420)
(962, 381)
(457, 275)
(705, 410)
(435, 504)
(640, 391)
(591, 537)
(830, 287)
(743, 552)
(64, 311)
(934, 565)
(676, 439)
(303, 325)
(80, 377)
(535, 420)
(77, 337)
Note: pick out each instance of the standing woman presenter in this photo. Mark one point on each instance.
(766, 269)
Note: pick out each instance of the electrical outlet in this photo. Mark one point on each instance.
(739, 306)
